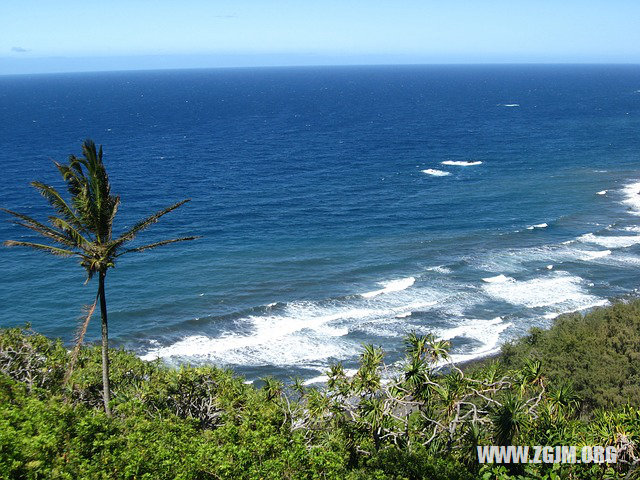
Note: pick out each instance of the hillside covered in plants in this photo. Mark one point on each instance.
(577, 383)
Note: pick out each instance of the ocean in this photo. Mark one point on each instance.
(338, 206)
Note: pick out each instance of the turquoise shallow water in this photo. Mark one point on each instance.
(338, 206)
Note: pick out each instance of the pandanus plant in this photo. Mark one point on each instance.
(83, 228)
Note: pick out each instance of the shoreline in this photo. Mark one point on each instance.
(464, 364)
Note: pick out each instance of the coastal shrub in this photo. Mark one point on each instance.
(32, 359)
(598, 351)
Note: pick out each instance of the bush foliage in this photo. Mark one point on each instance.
(575, 384)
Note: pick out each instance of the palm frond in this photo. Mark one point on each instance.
(114, 209)
(156, 245)
(40, 228)
(73, 175)
(72, 233)
(61, 252)
(147, 222)
(79, 338)
(57, 202)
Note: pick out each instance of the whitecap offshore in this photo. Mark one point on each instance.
(436, 173)
(461, 163)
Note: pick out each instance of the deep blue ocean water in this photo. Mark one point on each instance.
(338, 206)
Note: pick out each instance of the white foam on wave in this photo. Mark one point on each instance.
(303, 333)
(632, 197)
(460, 163)
(487, 332)
(601, 192)
(539, 225)
(552, 289)
(391, 286)
(476, 329)
(626, 260)
(497, 279)
(436, 173)
(394, 325)
(619, 241)
(439, 269)
(592, 254)
(515, 260)
(507, 260)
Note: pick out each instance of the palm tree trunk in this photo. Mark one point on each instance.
(106, 390)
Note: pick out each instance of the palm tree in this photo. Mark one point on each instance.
(83, 229)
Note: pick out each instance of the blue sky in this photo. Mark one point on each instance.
(68, 35)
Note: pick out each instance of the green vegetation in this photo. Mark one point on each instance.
(83, 229)
(423, 423)
(599, 352)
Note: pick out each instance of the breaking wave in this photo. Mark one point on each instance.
(632, 197)
(610, 241)
(556, 288)
(539, 225)
(391, 286)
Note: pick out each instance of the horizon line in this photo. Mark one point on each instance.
(318, 65)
